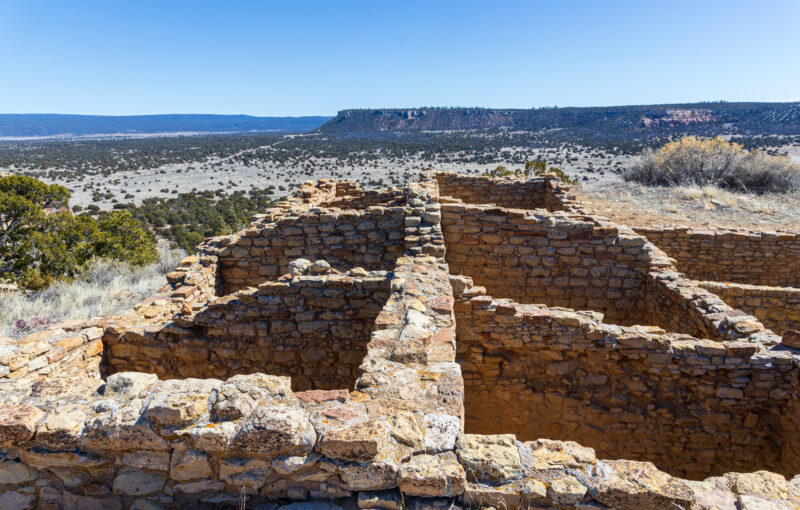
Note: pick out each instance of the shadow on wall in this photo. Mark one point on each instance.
(312, 328)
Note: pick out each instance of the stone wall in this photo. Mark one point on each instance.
(757, 258)
(778, 308)
(311, 328)
(693, 407)
(395, 435)
(370, 238)
(553, 259)
(544, 192)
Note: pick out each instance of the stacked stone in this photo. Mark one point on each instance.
(146, 443)
(68, 348)
(695, 407)
(778, 308)
(543, 192)
(423, 231)
(549, 258)
(371, 238)
(741, 256)
(313, 328)
(678, 304)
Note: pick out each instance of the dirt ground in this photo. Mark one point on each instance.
(636, 205)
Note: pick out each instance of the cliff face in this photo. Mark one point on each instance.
(742, 118)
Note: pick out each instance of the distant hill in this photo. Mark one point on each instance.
(736, 118)
(24, 125)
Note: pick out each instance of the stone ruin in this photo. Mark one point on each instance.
(459, 342)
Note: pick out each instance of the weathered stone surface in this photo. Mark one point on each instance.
(764, 483)
(385, 499)
(62, 429)
(77, 502)
(17, 424)
(198, 486)
(489, 459)
(179, 403)
(440, 432)
(15, 473)
(129, 384)
(241, 394)
(299, 267)
(360, 441)
(791, 338)
(358, 476)
(155, 460)
(17, 500)
(213, 437)
(287, 465)
(121, 428)
(550, 369)
(46, 460)
(630, 484)
(188, 464)
(567, 490)
(432, 476)
(275, 430)
(248, 473)
(546, 454)
(137, 483)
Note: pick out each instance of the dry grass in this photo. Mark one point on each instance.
(715, 162)
(108, 287)
(696, 206)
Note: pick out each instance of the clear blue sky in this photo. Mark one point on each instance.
(316, 57)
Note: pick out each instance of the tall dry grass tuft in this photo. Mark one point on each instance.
(701, 162)
(108, 287)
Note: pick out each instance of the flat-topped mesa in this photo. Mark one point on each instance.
(397, 347)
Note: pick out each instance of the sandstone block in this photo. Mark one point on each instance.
(137, 483)
(640, 485)
(129, 384)
(17, 424)
(490, 459)
(359, 442)
(432, 476)
(275, 430)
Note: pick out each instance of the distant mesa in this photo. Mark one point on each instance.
(54, 125)
(740, 118)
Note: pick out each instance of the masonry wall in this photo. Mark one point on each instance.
(757, 258)
(311, 328)
(693, 407)
(777, 308)
(549, 259)
(371, 239)
(534, 193)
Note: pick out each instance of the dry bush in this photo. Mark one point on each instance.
(716, 162)
(107, 287)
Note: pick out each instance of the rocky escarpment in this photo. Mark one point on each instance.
(700, 118)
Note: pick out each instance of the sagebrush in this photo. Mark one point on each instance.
(716, 162)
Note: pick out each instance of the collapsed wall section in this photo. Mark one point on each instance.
(313, 329)
(693, 407)
(756, 258)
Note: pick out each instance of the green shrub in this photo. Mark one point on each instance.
(39, 244)
(536, 167)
